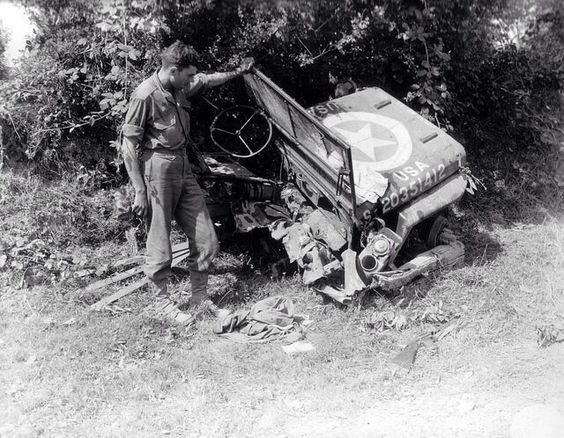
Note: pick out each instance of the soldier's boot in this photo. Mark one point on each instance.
(200, 299)
(164, 307)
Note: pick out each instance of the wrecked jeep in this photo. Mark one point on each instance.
(358, 176)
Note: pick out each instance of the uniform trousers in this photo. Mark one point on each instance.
(173, 192)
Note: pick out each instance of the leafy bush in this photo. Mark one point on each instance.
(3, 68)
(62, 213)
(454, 61)
(66, 101)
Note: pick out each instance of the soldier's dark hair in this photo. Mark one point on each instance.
(179, 55)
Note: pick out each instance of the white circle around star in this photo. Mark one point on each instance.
(362, 140)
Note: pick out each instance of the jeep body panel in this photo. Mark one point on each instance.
(319, 159)
(390, 142)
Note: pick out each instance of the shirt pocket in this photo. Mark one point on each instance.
(168, 127)
(165, 121)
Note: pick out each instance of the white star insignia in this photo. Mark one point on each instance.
(363, 140)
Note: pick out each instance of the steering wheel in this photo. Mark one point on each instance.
(242, 131)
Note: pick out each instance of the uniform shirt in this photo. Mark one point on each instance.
(159, 119)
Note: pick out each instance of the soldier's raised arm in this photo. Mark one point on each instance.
(203, 81)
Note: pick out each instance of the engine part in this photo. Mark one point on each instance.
(374, 257)
(442, 256)
(256, 191)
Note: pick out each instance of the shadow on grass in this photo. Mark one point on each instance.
(246, 270)
(506, 208)
(481, 247)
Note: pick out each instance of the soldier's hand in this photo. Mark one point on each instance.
(246, 65)
(140, 204)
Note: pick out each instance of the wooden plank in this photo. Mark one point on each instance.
(180, 247)
(133, 286)
(135, 260)
(99, 305)
(114, 278)
(138, 259)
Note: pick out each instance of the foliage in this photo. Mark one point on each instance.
(72, 88)
(43, 222)
(508, 111)
(471, 66)
(3, 41)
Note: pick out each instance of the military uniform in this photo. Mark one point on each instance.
(158, 122)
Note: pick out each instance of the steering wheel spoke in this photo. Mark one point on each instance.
(223, 130)
(232, 121)
(247, 122)
(246, 145)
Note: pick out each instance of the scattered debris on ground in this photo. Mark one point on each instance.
(406, 357)
(549, 334)
(298, 347)
(272, 318)
(179, 253)
(388, 316)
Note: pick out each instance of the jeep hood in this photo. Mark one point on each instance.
(386, 153)
(390, 141)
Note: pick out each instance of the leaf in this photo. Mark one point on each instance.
(17, 265)
(115, 70)
(400, 320)
(104, 26)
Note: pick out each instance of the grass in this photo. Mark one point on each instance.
(66, 371)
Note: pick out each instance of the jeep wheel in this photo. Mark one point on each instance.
(432, 229)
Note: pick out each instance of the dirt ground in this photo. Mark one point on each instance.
(67, 371)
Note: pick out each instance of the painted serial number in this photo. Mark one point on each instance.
(325, 109)
(416, 179)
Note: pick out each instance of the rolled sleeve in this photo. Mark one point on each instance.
(132, 131)
(134, 127)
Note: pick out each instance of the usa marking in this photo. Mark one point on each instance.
(325, 109)
(413, 180)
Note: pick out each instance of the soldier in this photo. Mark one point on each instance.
(155, 135)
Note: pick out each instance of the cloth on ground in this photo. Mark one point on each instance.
(269, 319)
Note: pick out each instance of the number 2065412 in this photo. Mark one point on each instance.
(414, 180)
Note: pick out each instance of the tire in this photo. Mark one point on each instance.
(432, 230)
